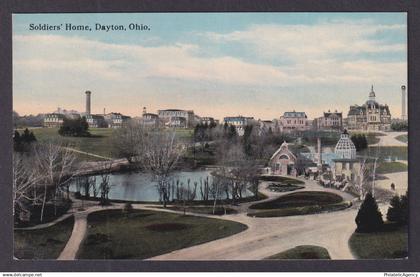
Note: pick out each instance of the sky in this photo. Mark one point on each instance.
(217, 64)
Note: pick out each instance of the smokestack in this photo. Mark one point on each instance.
(403, 105)
(319, 152)
(88, 93)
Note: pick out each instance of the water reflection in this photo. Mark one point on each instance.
(141, 187)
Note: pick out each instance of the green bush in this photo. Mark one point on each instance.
(369, 218)
(74, 127)
(398, 211)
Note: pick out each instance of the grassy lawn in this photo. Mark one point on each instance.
(402, 138)
(46, 243)
(299, 203)
(281, 179)
(203, 209)
(300, 199)
(142, 234)
(184, 133)
(302, 252)
(99, 143)
(383, 152)
(389, 244)
(283, 187)
(391, 167)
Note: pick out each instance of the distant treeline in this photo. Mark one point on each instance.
(27, 120)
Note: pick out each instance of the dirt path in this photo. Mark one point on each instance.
(88, 154)
(389, 139)
(79, 231)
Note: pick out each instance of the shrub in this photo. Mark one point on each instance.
(398, 211)
(74, 127)
(369, 218)
(360, 141)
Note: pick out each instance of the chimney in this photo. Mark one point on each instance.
(403, 105)
(88, 93)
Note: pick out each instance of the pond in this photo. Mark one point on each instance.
(136, 186)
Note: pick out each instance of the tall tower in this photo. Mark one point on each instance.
(403, 109)
(144, 111)
(372, 94)
(88, 93)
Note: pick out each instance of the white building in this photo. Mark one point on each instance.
(172, 118)
(239, 122)
(294, 121)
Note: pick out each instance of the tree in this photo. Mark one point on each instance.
(55, 161)
(22, 143)
(77, 127)
(369, 218)
(25, 181)
(158, 153)
(400, 126)
(360, 141)
(127, 139)
(105, 184)
(17, 142)
(398, 210)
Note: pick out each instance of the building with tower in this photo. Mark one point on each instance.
(371, 116)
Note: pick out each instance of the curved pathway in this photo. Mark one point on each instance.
(389, 139)
(79, 231)
(264, 236)
(268, 236)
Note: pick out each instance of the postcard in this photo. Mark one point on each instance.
(210, 136)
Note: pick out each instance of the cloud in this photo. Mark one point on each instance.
(320, 57)
(302, 42)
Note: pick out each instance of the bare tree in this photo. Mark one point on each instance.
(25, 181)
(55, 161)
(158, 153)
(127, 140)
(105, 184)
(363, 180)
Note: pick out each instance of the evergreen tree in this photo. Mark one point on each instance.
(17, 142)
(398, 210)
(28, 137)
(74, 127)
(369, 218)
(360, 141)
(232, 133)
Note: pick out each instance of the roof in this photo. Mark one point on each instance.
(295, 114)
(286, 145)
(356, 110)
(333, 114)
(239, 117)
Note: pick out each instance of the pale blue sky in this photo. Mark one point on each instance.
(218, 64)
